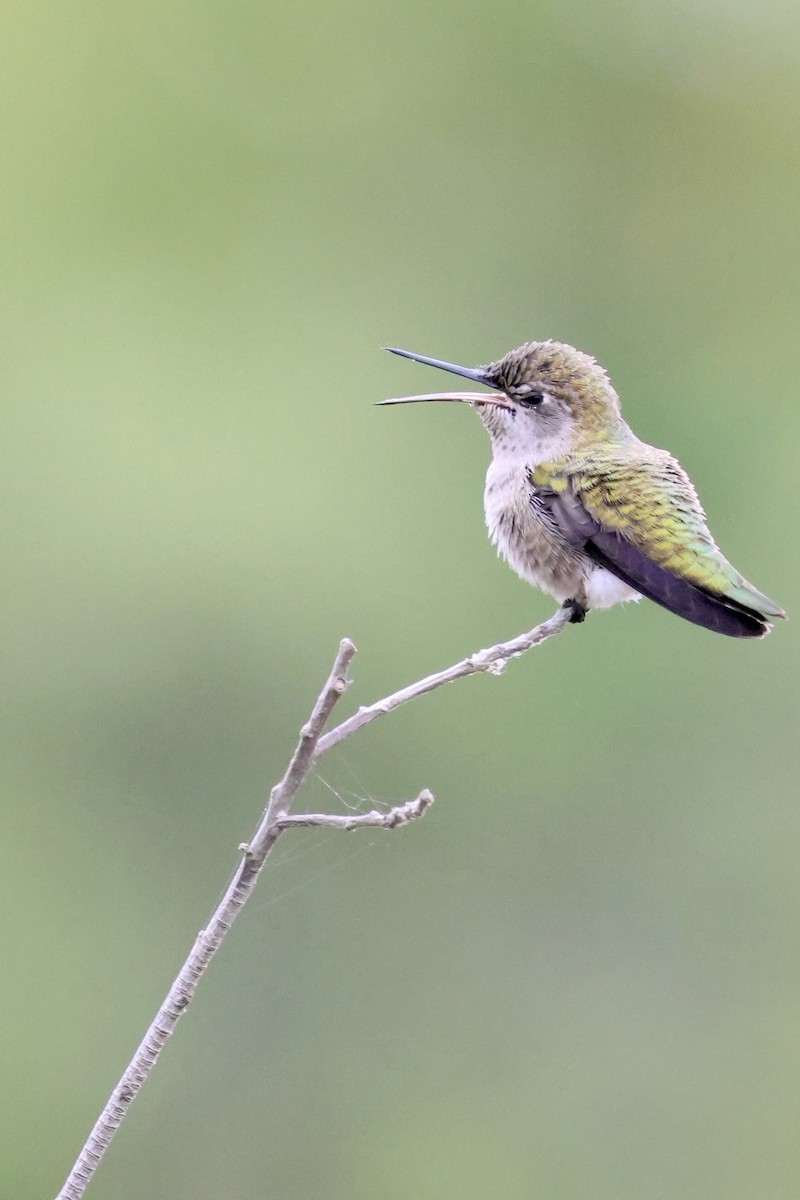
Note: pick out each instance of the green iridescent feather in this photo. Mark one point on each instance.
(643, 495)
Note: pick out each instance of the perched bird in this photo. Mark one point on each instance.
(583, 509)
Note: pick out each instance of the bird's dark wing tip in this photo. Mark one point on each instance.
(681, 597)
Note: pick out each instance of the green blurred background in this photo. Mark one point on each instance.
(578, 978)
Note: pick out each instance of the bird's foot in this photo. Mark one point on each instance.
(577, 611)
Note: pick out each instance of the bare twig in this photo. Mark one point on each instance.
(283, 794)
(274, 821)
(493, 660)
(210, 939)
(393, 818)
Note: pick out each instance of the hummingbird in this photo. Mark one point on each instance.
(581, 508)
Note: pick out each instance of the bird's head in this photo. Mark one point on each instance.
(542, 393)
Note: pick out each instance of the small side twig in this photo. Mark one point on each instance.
(392, 818)
(311, 746)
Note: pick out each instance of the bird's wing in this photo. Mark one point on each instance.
(634, 511)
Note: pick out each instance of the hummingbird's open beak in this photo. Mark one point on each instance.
(477, 374)
(495, 398)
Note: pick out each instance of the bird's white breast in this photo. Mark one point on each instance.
(527, 539)
(523, 535)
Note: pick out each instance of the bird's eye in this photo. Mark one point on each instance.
(532, 399)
